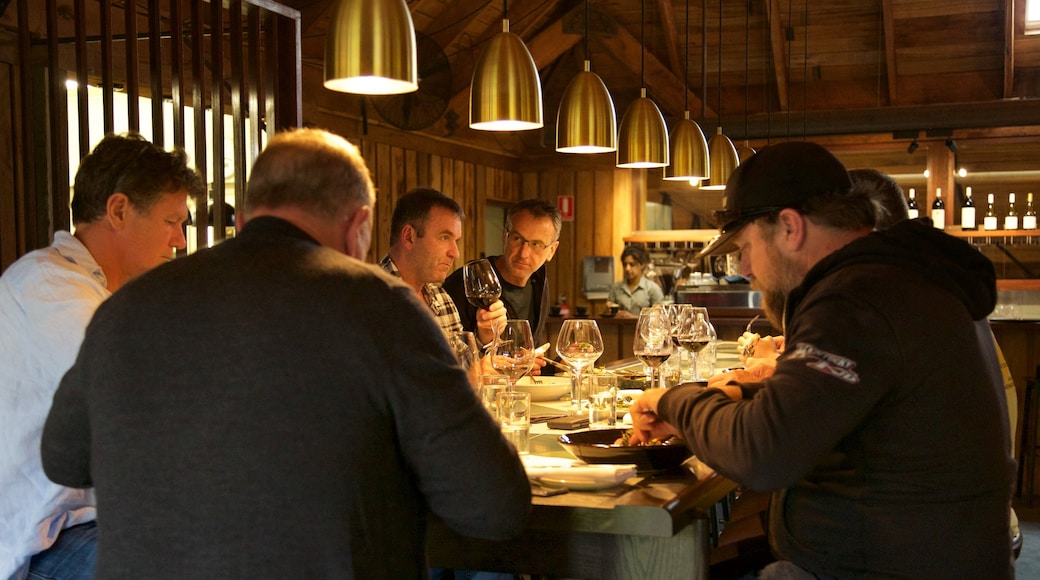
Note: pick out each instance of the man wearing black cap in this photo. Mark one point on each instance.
(883, 433)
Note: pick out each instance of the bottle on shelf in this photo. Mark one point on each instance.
(911, 205)
(939, 210)
(1011, 219)
(989, 222)
(1029, 218)
(564, 309)
(968, 211)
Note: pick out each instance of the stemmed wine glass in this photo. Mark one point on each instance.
(579, 344)
(695, 334)
(653, 340)
(482, 285)
(512, 353)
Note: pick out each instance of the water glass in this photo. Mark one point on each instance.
(514, 413)
(490, 387)
(602, 401)
(705, 366)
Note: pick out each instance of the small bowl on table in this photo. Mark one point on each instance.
(597, 446)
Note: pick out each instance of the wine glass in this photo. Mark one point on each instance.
(696, 334)
(653, 340)
(464, 345)
(579, 344)
(482, 285)
(680, 315)
(512, 353)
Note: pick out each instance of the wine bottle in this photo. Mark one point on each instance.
(911, 205)
(989, 222)
(1029, 219)
(968, 211)
(1011, 219)
(938, 210)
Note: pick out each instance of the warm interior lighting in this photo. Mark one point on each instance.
(506, 93)
(687, 149)
(586, 121)
(962, 172)
(370, 48)
(688, 152)
(745, 152)
(643, 137)
(723, 161)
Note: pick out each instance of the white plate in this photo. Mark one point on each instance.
(578, 484)
(625, 398)
(546, 389)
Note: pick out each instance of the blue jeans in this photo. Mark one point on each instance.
(70, 558)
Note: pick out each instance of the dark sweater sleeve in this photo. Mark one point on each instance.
(65, 446)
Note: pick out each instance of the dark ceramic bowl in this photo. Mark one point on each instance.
(597, 446)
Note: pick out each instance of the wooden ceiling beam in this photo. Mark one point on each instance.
(778, 41)
(989, 114)
(467, 21)
(671, 40)
(669, 91)
(888, 22)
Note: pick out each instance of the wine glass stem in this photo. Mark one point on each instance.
(576, 389)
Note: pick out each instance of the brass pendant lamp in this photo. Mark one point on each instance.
(370, 48)
(724, 159)
(688, 149)
(506, 93)
(586, 122)
(643, 137)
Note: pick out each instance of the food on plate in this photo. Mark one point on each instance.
(752, 345)
(626, 437)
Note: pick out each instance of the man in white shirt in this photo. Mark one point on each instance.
(128, 208)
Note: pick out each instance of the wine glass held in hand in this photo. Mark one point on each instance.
(579, 344)
(482, 285)
(512, 353)
(652, 343)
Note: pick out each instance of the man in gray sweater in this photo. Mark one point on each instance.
(274, 407)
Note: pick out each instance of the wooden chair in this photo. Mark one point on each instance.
(1027, 448)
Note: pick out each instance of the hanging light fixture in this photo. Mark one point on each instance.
(688, 149)
(746, 151)
(370, 48)
(506, 93)
(643, 137)
(586, 121)
(723, 155)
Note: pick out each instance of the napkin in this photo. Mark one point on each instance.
(561, 468)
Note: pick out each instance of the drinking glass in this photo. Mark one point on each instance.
(602, 400)
(653, 340)
(694, 336)
(680, 316)
(512, 352)
(579, 344)
(514, 414)
(464, 345)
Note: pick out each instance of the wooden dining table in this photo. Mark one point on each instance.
(651, 526)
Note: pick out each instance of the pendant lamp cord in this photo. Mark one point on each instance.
(720, 64)
(687, 71)
(805, 74)
(747, 36)
(505, 9)
(642, 42)
(704, 59)
(587, 53)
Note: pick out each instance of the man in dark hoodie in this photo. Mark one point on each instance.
(883, 432)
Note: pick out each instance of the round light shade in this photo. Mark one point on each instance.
(643, 137)
(586, 121)
(506, 93)
(370, 48)
(744, 152)
(723, 161)
(689, 152)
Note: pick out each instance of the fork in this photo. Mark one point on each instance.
(749, 349)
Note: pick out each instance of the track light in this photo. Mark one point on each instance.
(951, 145)
(912, 147)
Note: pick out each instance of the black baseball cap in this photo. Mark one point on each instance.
(777, 177)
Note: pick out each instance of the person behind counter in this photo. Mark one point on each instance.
(887, 360)
(274, 407)
(636, 291)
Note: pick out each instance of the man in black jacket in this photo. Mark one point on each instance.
(883, 432)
